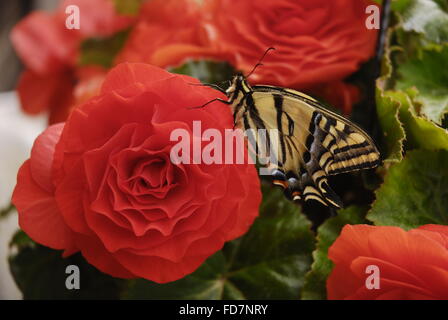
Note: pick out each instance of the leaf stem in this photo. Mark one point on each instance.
(6, 211)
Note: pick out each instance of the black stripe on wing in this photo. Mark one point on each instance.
(314, 179)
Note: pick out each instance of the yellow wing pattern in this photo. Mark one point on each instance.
(313, 142)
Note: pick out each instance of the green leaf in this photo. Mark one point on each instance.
(387, 111)
(206, 71)
(391, 127)
(39, 272)
(426, 17)
(420, 132)
(415, 191)
(127, 7)
(102, 51)
(315, 280)
(443, 4)
(400, 5)
(269, 262)
(21, 240)
(429, 74)
(4, 212)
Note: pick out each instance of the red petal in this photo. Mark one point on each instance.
(47, 92)
(69, 196)
(158, 269)
(43, 43)
(407, 249)
(352, 242)
(126, 74)
(36, 92)
(39, 215)
(41, 161)
(341, 283)
(440, 230)
(97, 255)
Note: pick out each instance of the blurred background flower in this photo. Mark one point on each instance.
(317, 46)
(51, 54)
(317, 41)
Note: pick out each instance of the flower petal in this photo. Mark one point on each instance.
(39, 214)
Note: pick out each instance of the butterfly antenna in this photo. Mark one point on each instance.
(259, 61)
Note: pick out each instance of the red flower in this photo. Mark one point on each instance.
(44, 44)
(317, 41)
(58, 93)
(38, 93)
(98, 18)
(412, 265)
(50, 52)
(167, 33)
(103, 183)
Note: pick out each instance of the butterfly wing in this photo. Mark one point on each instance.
(313, 142)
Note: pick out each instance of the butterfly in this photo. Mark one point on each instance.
(313, 142)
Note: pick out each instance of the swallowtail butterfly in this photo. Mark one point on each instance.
(313, 141)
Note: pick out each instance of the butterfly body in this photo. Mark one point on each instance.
(312, 142)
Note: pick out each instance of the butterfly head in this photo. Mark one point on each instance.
(237, 85)
(239, 82)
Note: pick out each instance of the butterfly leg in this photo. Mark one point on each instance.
(288, 182)
(294, 190)
(211, 101)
